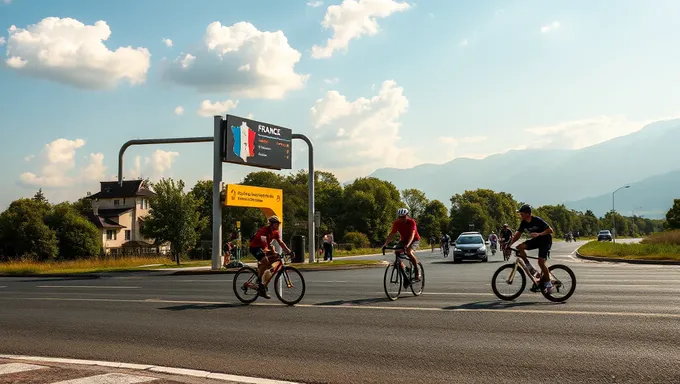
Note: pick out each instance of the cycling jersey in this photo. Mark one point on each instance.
(269, 235)
(506, 235)
(405, 228)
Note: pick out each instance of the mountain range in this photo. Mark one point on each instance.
(648, 160)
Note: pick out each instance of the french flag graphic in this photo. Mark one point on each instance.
(244, 141)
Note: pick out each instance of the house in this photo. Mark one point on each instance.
(119, 211)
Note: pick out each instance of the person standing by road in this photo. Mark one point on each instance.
(328, 243)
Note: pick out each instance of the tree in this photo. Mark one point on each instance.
(416, 201)
(370, 207)
(174, 217)
(673, 215)
(590, 225)
(40, 197)
(83, 206)
(23, 232)
(77, 237)
(434, 219)
(485, 209)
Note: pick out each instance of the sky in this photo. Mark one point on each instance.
(373, 83)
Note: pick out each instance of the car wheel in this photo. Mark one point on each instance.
(484, 260)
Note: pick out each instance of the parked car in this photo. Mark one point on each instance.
(470, 246)
(604, 235)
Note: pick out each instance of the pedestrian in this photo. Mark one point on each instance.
(328, 243)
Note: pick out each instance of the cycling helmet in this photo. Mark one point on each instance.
(402, 212)
(274, 219)
(526, 208)
(505, 225)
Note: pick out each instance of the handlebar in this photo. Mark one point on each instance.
(392, 248)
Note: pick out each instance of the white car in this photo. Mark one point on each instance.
(470, 246)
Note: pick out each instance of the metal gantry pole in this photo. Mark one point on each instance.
(216, 204)
(310, 201)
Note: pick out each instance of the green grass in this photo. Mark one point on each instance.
(642, 251)
(355, 252)
(78, 266)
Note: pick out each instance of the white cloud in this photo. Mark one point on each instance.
(353, 19)
(8, 2)
(334, 80)
(29, 157)
(58, 159)
(583, 133)
(241, 60)
(250, 116)
(550, 27)
(154, 167)
(464, 140)
(70, 52)
(167, 42)
(464, 43)
(361, 135)
(314, 4)
(179, 110)
(208, 109)
(2, 40)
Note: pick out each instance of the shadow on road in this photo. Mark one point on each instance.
(202, 306)
(356, 301)
(500, 304)
(72, 278)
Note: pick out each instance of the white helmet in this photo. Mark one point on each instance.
(402, 212)
(274, 219)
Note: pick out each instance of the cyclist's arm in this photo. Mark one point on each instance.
(391, 235)
(410, 240)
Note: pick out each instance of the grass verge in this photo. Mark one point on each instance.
(338, 263)
(79, 266)
(642, 251)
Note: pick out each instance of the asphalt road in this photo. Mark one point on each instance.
(621, 326)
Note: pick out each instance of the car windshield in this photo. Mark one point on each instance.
(604, 232)
(469, 240)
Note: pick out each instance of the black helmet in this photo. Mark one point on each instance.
(526, 208)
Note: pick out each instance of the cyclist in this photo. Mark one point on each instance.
(446, 240)
(506, 235)
(493, 239)
(260, 248)
(433, 242)
(541, 239)
(409, 237)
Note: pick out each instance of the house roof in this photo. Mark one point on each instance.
(104, 222)
(130, 188)
(112, 212)
(137, 244)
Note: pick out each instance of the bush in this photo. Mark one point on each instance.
(668, 237)
(357, 239)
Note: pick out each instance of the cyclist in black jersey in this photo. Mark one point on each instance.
(541, 239)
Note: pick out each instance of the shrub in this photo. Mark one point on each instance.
(668, 237)
(357, 239)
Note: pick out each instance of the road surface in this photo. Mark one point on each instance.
(621, 326)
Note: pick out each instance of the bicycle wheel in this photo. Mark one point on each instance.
(563, 281)
(512, 289)
(290, 280)
(417, 287)
(392, 280)
(245, 285)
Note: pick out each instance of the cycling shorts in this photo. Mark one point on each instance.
(258, 252)
(543, 246)
(414, 245)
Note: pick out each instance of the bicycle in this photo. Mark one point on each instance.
(494, 247)
(445, 249)
(399, 274)
(506, 251)
(559, 285)
(283, 276)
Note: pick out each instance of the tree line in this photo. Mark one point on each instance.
(360, 213)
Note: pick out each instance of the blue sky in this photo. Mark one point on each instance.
(437, 80)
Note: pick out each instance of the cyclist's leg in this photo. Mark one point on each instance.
(410, 252)
(543, 255)
(523, 248)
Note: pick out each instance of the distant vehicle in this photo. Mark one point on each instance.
(470, 246)
(604, 235)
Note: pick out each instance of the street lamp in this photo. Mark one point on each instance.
(614, 211)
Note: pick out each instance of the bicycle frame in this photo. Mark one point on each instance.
(276, 267)
(519, 262)
(399, 256)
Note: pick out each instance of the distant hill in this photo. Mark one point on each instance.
(567, 175)
(651, 198)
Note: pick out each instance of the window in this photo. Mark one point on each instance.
(144, 204)
(116, 202)
(128, 235)
(111, 234)
(123, 201)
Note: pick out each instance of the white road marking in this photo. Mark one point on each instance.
(140, 367)
(3, 286)
(373, 307)
(8, 368)
(110, 378)
(88, 286)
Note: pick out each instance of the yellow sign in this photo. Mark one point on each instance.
(269, 200)
(238, 225)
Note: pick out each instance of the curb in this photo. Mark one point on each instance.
(303, 269)
(151, 368)
(628, 261)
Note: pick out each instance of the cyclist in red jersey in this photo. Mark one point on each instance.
(409, 237)
(260, 248)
